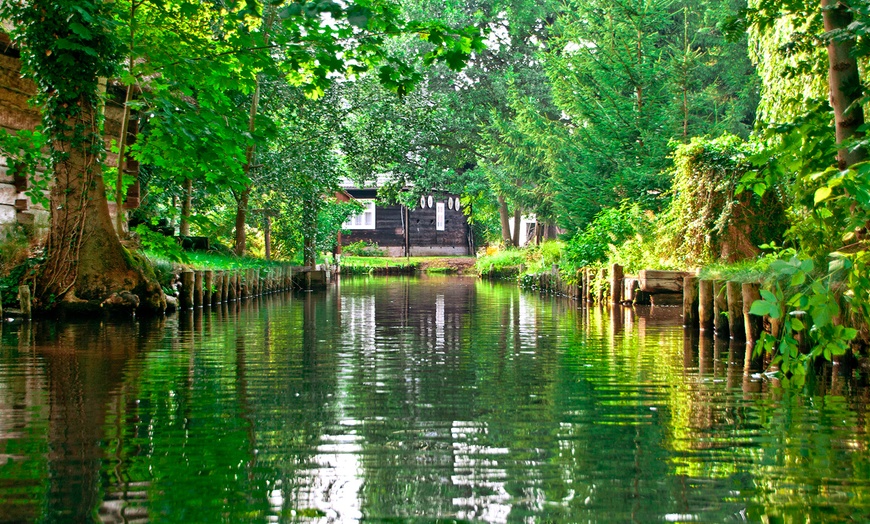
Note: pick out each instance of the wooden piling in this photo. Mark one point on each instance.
(232, 285)
(720, 306)
(616, 284)
(186, 298)
(197, 289)
(690, 301)
(705, 304)
(225, 286)
(753, 323)
(208, 287)
(24, 300)
(734, 293)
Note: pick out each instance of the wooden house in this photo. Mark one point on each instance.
(435, 226)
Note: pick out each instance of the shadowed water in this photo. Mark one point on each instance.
(406, 399)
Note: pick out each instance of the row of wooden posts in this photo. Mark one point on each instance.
(206, 287)
(201, 288)
(717, 306)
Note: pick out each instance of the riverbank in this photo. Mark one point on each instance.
(406, 265)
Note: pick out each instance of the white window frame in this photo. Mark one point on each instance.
(367, 219)
(439, 216)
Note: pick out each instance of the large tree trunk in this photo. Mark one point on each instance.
(85, 260)
(242, 202)
(309, 231)
(844, 82)
(241, 218)
(505, 221)
(517, 222)
(186, 201)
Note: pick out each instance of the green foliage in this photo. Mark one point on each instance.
(23, 152)
(609, 229)
(16, 262)
(160, 245)
(362, 248)
(818, 288)
(70, 45)
(805, 305)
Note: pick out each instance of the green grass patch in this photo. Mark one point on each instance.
(380, 262)
(436, 264)
(502, 263)
(744, 271)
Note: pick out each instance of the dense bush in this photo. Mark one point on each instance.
(609, 230)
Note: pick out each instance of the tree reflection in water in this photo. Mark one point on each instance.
(416, 398)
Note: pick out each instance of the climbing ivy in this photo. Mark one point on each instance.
(70, 45)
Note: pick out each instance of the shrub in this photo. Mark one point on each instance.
(610, 229)
(362, 248)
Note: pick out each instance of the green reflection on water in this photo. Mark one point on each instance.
(415, 399)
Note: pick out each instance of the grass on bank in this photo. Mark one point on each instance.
(507, 263)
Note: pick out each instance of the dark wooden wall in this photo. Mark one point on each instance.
(423, 238)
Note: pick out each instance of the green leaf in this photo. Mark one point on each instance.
(80, 30)
(760, 308)
(798, 279)
(822, 194)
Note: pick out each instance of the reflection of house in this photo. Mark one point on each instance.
(434, 226)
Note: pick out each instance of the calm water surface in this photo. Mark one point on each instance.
(427, 399)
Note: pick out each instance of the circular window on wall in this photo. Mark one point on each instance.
(456, 204)
(431, 201)
(449, 203)
(422, 202)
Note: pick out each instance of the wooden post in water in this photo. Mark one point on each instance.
(584, 285)
(208, 287)
(734, 293)
(197, 289)
(186, 299)
(232, 286)
(690, 301)
(24, 300)
(705, 304)
(225, 286)
(616, 278)
(218, 287)
(752, 323)
(720, 305)
(599, 293)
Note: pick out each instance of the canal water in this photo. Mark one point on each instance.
(416, 399)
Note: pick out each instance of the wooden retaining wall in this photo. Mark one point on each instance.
(712, 307)
(203, 288)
